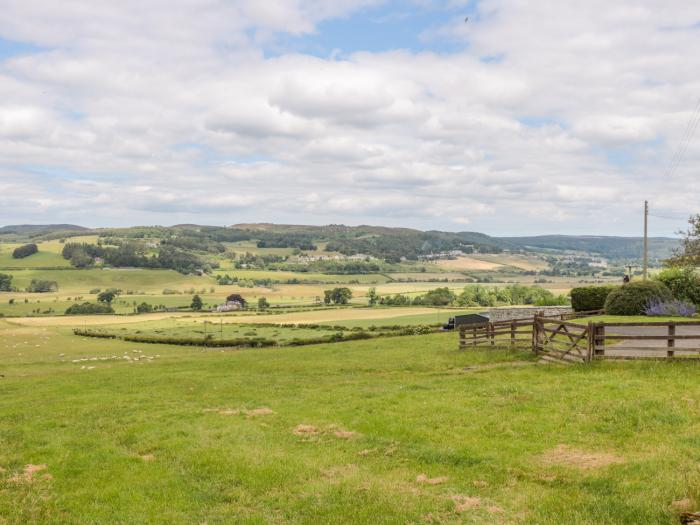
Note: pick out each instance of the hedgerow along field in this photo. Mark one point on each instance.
(398, 430)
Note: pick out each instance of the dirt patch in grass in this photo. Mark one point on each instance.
(425, 480)
(489, 366)
(683, 505)
(465, 503)
(305, 430)
(344, 434)
(148, 457)
(262, 411)
(27, 475)
(572, 457)
(332, 430)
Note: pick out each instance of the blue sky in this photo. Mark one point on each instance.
(387, 27)
(539, 118)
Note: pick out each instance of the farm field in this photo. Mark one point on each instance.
(41, 259)
(397, 430)
(334, 316)
(523, 262)
(139, 279)
(467, 263)
(200, 329)
(283, 276)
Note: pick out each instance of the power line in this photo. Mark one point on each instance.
(669, 217)
(684, 142)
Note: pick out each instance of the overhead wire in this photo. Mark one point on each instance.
(684, 143)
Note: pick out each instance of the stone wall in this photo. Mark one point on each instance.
(511, 313)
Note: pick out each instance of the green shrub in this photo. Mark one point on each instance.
(89, 308)
(586, 298)
(632, 298)
(684, 283)
(5, 282)
(24, 251)
(40, 286)
(144, 308)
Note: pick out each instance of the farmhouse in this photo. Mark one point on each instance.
(229, 306)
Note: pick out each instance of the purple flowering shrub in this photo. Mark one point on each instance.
(670, 308)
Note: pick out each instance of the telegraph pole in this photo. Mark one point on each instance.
(646, 240)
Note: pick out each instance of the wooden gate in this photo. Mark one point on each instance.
(558, 340)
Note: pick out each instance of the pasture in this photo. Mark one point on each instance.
(303, 277)
(399, 430)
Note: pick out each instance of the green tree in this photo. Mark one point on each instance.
(263, 303)
(683, 281)
(197, 304)
(144, 308)
(337, 296)
(107, 296)
(5, 282)
(438, 297)
(235, 297)
(41, 286)
(689, 254)
(24, 251)
(372, 297)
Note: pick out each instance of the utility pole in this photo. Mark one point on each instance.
(646, 240)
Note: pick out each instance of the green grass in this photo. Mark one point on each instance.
(41, 259)
(73, 280)
(199, 328)
(413, 406)
(440, 316)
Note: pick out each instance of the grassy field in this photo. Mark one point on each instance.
(82, 281)
(332, 316)
(303, 277)
(41, 259)
(400, 430)
(200, 328)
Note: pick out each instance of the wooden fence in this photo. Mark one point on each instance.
(556, 337)
(508, 333)
(650, 340)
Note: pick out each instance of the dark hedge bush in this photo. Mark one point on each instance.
(25, 251)
(586, 298)
(189, 341)
(633, 298)
(89, 308)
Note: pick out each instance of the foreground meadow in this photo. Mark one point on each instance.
(398, 430)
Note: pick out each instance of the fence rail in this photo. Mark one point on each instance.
(557, 337)
(509, 333)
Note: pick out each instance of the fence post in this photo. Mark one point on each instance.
(474, 337)
(671, 339)
(512, 334)
(492, 328)
(599, 342)
(591, 341)
(537, 335)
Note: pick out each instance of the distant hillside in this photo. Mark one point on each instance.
(610, 247)
(390, 244)
(29, 229)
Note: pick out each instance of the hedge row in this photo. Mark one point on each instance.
(258, 342)
(587, 298)
(90, 333)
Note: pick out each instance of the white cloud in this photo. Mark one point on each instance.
(555, 116)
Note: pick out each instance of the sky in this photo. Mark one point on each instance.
(531, 117)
